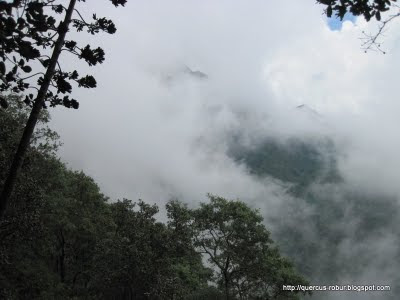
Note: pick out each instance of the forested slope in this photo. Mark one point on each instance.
(63, 239)
(335, 232)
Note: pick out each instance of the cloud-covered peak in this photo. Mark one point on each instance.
(178, 74)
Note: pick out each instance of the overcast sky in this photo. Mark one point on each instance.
(152, 131)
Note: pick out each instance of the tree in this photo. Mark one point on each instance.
(186, 261)
(61, 239)
(147, 259)
(368, 9)
(28, 29)
(232, 236)
(22, 215)
(22, 230)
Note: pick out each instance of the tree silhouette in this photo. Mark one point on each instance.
(29, 29)
(366, 8)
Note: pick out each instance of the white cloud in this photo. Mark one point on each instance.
(262, 59)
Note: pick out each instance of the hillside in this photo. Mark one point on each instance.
(334, 232)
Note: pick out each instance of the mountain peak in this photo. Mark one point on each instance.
(196, 73)
(308, 110)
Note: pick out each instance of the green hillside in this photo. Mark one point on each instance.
(333, 231)
(294, 161)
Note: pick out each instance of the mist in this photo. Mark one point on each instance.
(154, 130)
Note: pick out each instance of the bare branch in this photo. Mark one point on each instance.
(39, 73)
(80, 16)
(371, 41)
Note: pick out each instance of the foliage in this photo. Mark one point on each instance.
(238, 246)
(62, 239)
(366, 8)
(28, 29)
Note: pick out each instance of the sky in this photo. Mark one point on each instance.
(154, 131)
(335, 23)
(261, 59)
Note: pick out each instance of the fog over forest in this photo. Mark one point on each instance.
(192, 91)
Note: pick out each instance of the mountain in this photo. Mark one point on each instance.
(294, 161)
(181, 73)
(334, 232)
(308, 110)
(196, 74)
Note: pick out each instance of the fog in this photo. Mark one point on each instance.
(154, 130)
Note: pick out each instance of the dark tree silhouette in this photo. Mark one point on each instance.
(366, 8)
(28, 31)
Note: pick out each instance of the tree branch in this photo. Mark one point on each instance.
(370, 41)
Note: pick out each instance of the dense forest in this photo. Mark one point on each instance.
(63, 239)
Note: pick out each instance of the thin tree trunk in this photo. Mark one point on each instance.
(34, 115)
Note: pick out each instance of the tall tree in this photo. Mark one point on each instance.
(28, 28)
(234, 239)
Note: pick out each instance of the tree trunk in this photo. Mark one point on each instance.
(34, 115)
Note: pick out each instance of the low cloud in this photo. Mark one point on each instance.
(153, 131)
